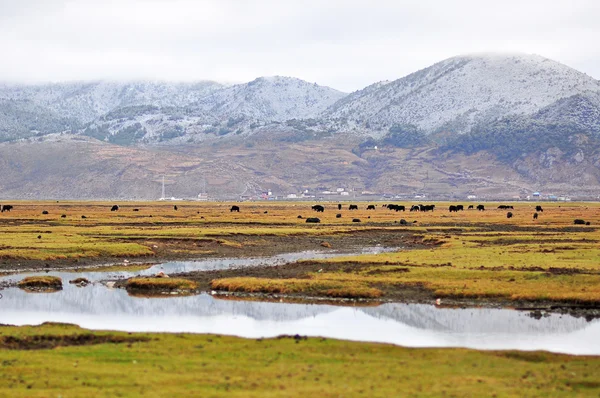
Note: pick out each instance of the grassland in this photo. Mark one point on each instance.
(62, 360)
(465, 255)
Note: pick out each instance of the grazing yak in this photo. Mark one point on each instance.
(234, 208)
(338, 215)
(403, 222)
(175, 207)
(396, 207)
(4, 208)
(539, 208)
(480, 207)
(313, 220)
(63, 216)
(453, 208)
(414, 208)
(535, 216)
(318, 208)
(45, 212)
(505, 207)
(339, 206)
(356, 220)
(371, 207)
(136, 209)
(470, 207)
(426, 207)
(509, 215)
(114, 208)
(579, 222)
(353, 207)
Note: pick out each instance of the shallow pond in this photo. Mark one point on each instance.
(414, 325)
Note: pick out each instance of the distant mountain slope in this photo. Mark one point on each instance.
(274, 98)
(88, 100)
(569, 127)
(458, 93)
(22, 119)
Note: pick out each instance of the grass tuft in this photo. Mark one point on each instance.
(159, 284)
(40, 282)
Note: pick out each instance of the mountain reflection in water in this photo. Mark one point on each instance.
(415, 325)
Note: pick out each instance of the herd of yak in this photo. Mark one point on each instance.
(393, 207)
(426, 208)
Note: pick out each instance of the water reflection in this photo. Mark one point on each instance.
(415, 325)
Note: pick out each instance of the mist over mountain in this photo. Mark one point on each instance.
(533, 122)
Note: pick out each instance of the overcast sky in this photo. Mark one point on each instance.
(344, 44)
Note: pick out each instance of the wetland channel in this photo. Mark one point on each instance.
(97, 306)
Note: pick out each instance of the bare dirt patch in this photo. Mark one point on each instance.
(49, 341)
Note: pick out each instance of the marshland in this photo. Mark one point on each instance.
(524, 290)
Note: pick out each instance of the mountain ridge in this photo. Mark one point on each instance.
(531, 122)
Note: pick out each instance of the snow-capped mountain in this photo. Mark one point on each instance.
(239, 108)
(87, 101)
(274, 98)
(460, 92)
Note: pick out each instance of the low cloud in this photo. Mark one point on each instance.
(345, 44)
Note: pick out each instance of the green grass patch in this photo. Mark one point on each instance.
(167, 365)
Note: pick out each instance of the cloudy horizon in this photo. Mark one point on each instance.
(342, 44)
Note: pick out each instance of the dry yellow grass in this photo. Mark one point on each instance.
(41, 282)
(160, 284)
(320, 287)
